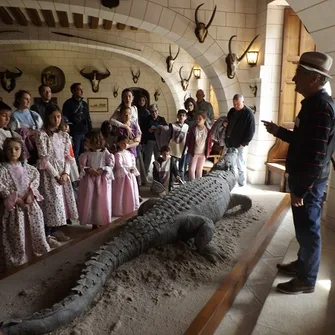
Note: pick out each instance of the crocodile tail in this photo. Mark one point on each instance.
(240, 200)
(107, 259)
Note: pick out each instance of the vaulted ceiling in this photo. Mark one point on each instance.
(56, 18)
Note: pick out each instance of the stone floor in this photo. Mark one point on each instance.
(260, 310)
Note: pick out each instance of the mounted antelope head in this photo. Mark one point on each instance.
(232, 60)
(8, 79)
(170, 60)
(201, 30)
(184, 82)
(95, 77)
(157, 95)
(135, 76)
(115, 92)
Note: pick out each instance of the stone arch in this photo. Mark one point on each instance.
(177, 28)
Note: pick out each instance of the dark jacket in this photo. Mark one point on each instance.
(40, 108)
(242, 131)
(312, 142)
(190, 142)
(173, 171)
(77, 112)
(160, 121)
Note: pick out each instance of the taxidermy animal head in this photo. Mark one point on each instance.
(110, 3)
(232, 60)
(201, 29)
(115, 92)
(157, 95)
(8, 79)
(170, 60)
(95, 77)
(184, 82)
(135, 76)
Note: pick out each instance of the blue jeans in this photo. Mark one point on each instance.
(240, 162)
(307, 230)
(78, 140)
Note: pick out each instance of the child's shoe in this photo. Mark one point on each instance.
(60, 236)
(52, 241)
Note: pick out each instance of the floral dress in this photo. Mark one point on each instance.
(21, 232)
(54, 158)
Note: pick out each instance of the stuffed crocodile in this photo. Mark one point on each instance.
(189, 211)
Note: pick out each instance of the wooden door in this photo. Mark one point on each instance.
(296, 40)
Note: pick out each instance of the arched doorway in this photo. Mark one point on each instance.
(138, 91)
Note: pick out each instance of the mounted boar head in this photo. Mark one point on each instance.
(170, 60)
(184, 82)
(115, 92)
(8, 79)
(201, 30)
(95, 77)
(232, 60)
(135, 76)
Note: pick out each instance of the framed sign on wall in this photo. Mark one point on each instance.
(98, 105)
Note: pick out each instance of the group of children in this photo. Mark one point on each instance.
(36, 200)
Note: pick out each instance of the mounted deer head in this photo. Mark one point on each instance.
(201, 30)
(170, 60)
(184, 82)
(157, 95)
(95, 77)
(135, 76)
(115, 92)
(232, 60)
(253, 90)
(8, 79)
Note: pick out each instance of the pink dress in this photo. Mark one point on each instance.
(54, 158)
(125, 189)
(95, 193)
(21, 233)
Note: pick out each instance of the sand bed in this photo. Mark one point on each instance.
(160, 292)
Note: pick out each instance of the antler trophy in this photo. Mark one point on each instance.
(232, 60)
(184, 82)
(135, 76)
(170, 60)
(201, 30)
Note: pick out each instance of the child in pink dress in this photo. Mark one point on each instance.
(95, 186)
(54, 161)
(125, 189)
(199, 144)
(21, 224)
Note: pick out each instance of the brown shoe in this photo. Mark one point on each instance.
(289, 269)
(295, 286)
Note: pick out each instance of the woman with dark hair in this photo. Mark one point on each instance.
(127, 101)
(23, 117)
(143, 112)
(190, 106)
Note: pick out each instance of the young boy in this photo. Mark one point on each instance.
(178, 134)
(163, 168)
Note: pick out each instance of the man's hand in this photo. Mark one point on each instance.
(271, 127)
(296, 201)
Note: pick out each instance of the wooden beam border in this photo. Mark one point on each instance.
(5, 16)
(211, 315)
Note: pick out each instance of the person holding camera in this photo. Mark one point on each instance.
(77, 112)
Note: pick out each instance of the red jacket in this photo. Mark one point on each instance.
(190, 141)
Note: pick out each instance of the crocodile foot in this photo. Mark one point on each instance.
(213, 254)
